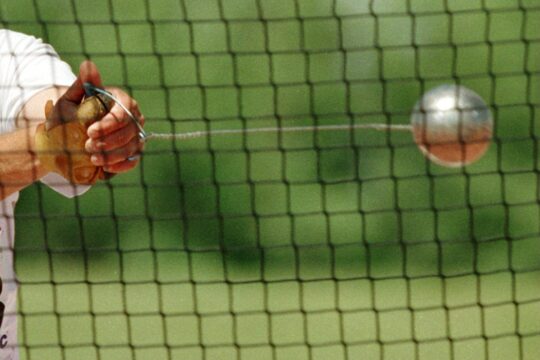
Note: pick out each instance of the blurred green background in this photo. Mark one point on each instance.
(300, 246)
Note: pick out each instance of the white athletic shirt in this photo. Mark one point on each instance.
(27, 66)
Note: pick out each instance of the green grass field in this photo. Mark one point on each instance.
(303, 246)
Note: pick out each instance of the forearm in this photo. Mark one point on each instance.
(19, 166)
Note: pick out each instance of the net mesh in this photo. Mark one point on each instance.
(346, 245)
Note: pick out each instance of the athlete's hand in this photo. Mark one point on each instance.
(88, 141)
(114, 141)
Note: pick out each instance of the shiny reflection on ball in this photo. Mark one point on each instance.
(452, 125)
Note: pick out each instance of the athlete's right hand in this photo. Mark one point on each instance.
(60, 141)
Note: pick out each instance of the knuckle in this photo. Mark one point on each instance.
(96, 131)
(126, 135)
(133, 147)
(88, 145)
(117, 112)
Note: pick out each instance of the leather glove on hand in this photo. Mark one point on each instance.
(61, 145)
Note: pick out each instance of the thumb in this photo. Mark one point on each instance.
(66, 107)
(88, 72)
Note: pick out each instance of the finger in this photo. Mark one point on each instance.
(65, 109)
(121, 167)
(116, 119)
(114, 140)
(115, 156)
(127, 101)
(88, 72)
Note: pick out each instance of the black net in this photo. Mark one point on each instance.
(341, 245)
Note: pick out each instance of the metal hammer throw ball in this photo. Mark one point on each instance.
(452, 125)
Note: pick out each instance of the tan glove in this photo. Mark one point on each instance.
(60, 145)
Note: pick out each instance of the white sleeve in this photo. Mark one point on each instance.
(59, 184)
(28, 66)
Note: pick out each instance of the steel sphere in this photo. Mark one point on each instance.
(452, 125)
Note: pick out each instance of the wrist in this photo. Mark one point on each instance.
(19, 163)
(37, 165)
